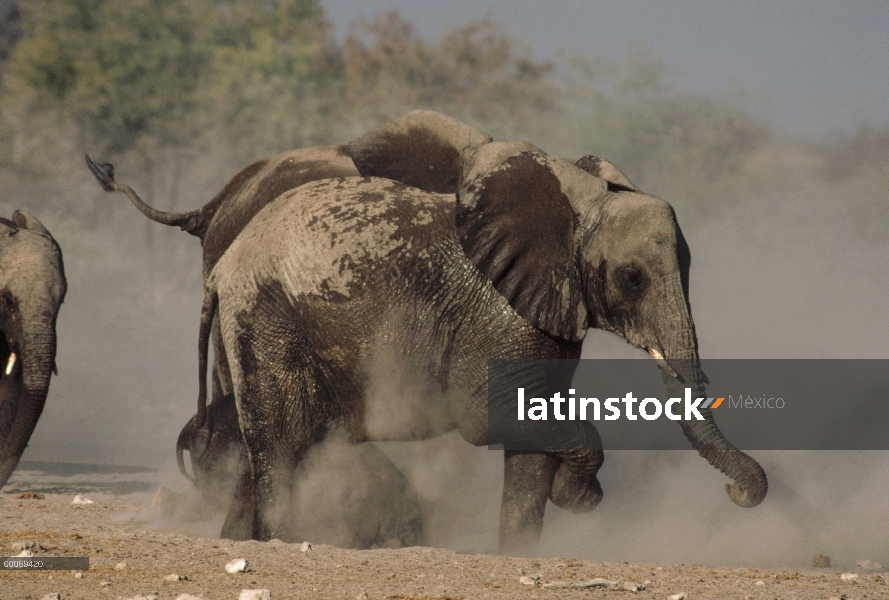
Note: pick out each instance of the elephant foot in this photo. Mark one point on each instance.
(527, 483)
(575, 486)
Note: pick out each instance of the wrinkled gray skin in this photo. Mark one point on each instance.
(430, 161)
(372, 307)
(352, 495)
(32, 287)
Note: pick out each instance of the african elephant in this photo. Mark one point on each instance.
(372, 306)
(32, 288)
(352, 496)
(423, 149)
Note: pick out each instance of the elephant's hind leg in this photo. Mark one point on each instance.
(527, 481)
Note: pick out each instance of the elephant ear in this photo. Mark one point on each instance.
(25, 220)
(516, 223)
(422, 149)
(603, 169)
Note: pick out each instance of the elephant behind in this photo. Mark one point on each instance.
(32, 288)
(350, 496)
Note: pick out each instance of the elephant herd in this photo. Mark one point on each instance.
(360, 290)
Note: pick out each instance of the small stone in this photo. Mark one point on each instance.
(121, 566)
(869, 565)
(173, 577)
(30, 496)
(362, 596)
(820, 561)
(78, 575)
(19, 546)
(679, 596)
(597, 582)
(848, 576)
(305, 547)
(748, 597)
(759, 582)
(24, 554)
(255, 595)
(529, 579)
(81, 500)
(631, 587)
(238, 565)
(104, 583)
(52, 596)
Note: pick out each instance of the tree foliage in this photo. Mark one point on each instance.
(173, 82)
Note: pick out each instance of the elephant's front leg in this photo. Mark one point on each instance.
(527, 484)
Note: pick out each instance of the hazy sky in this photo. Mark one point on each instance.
(815, 66)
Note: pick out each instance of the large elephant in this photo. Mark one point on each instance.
(423, 149)
(32, 288)
(371, 306)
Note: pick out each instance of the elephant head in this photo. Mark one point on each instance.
(570, 246)
(32, 287)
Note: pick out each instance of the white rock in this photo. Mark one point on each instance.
(81, 499)
(24, 554)
(173, 577)
(52, 596)
(78, 575)
(104, 583)
(848, 576)
(869, 565)
(597, 582)
(255, 595)
(759, 582)
(529, 579)
(121, 566)
(237, 565)
(631, 587)
(679, 596)
(305, 547)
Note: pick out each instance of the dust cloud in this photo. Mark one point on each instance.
(789, 262)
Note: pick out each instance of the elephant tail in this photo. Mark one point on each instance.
(193, 222)
(207, 311)
(184, 443)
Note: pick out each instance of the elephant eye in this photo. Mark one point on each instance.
(632, 280)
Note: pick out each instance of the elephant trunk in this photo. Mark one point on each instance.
(681, 368)
(36, 363)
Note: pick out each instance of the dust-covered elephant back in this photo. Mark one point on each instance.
(422, 149)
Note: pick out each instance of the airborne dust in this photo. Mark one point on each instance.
(790, 262)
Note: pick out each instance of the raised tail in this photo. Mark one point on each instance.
(192, 221)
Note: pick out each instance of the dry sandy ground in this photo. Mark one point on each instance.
(123, 528)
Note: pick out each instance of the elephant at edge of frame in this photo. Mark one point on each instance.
(341, 280)
(32, 288)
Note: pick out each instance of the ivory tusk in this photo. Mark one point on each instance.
(11, 363)
(663, 364)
